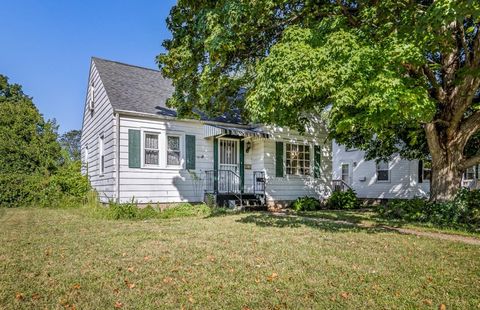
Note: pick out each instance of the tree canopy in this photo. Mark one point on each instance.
(28, 143)
(70, 141)
(395, 76)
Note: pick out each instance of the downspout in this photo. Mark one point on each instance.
(117, 158)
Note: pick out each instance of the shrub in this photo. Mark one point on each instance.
(66, 188)
(306, 204)
(21, 190)
(343, 200)
(403, 209)
(463, 211)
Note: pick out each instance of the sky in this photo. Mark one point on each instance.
(46, 46)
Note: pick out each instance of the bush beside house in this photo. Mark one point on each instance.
(463, 211)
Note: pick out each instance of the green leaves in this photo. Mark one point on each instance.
(284, 61)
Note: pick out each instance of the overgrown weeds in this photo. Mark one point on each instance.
(131, 211)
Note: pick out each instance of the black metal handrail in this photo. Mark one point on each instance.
(340, 186)
(228, 181)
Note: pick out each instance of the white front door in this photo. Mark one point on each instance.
(228, 155)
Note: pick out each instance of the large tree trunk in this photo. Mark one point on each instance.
(446, 179)
(447, 163)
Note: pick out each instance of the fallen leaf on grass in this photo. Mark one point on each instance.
(76, 286)
(118, 304)
(130, 269)
(428, 302)
(190, 299)
(442, 307)
(272, 277)
(146, 258)
(129, 284)
(345, 295)
(18, 296)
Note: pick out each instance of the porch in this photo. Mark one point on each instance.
(233, 180)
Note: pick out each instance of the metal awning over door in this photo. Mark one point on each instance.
(218, 130)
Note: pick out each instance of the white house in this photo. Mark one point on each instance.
(397, 178)
(135, 147)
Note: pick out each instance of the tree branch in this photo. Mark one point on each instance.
(470, 162)
(463, 41)
(440, 93)
(469, 127)
(476, 48)
(432, 139)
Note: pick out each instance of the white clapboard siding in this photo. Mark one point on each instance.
(101, 121)
(291, 187)
(403, 181)
(164, 184)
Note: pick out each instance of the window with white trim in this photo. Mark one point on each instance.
(173, 150)
(101, 154)
(150, 149)
(469, 174)
(346, 173)
(297, 159)
(91, 101)
(382, 171)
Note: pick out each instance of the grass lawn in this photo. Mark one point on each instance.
(367, 217)
(62, 258)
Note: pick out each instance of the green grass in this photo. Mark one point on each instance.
(51, 258)
(369, 217)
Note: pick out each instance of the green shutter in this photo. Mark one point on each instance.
(190, 152)
(279, 159)
(134, 148)
(215, 164)
(317, 161)
(242, 165)
(420, 171)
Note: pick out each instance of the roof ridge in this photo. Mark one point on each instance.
(125, 64)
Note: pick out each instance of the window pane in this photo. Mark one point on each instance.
(151, 157)
(382, 175)
(173, 158)
(151, 141)
(173, 143)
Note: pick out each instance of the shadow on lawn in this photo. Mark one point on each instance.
(269, 220)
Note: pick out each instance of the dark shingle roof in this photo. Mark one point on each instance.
(137, 89)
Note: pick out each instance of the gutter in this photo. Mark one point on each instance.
(165, 117)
